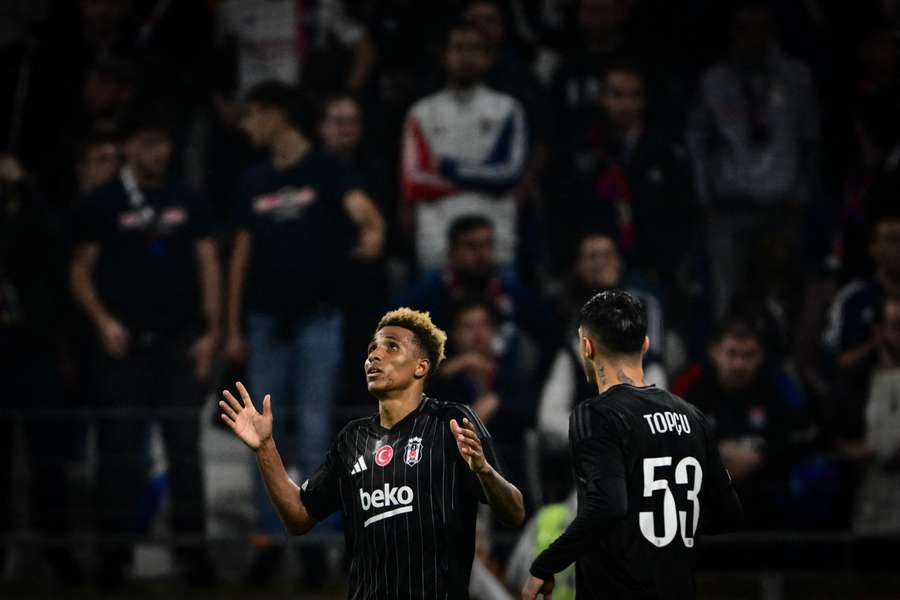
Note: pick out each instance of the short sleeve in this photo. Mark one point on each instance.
(320, 493)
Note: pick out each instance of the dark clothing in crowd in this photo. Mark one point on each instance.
(301, 234)
(766, 415)
(32, 315)
(148, 278)
(147, 272)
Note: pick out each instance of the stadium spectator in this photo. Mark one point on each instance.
(871, 151)
(146, 274)
(873, 432)
(598, 266)
(300, 220)
(472, 271)
(464, 149)
(849, 338)
(508, 72)
(31, 324)
(753, 135)
(294, 41)
(758, 413)
(489, 374)
(598, 39)
(97, 163)
(108, 88)
(341, 130)
(623, 173)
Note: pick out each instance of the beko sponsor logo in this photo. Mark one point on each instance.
(386, 497)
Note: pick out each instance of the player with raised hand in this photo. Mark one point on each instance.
(407, 479)
(647, 471)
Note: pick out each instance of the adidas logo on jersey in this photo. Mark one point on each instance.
(359, 467)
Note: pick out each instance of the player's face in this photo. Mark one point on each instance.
(599, 263)
(394, 361)
(737, 361)
(623, 99)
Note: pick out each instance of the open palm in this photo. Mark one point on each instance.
(245, 421)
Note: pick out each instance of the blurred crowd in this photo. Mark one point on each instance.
(196, 191)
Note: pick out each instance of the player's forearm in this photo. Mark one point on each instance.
(504, 498)
(210, 276)
(284, 493)
(237, 273)
(81, 282)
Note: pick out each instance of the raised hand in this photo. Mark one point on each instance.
(251, 427)
(469, 445)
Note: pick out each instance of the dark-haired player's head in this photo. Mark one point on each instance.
(599, 263)
(465, 56)
(146, 131)
(472, 249)
(737, 352)
(341, 124)
(473, 325)
(612, 327)
(885, 244)
(623, 98)
(405, 349)
(270, 108)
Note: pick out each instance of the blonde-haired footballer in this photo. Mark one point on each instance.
(407, 479)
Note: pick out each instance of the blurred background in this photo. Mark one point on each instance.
(201, 191)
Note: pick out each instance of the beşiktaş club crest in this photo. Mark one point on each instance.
(413, 452)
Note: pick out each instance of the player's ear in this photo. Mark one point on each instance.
(422, 368)
(646, 346)
(587, 347)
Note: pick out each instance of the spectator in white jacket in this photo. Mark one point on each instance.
(464, 151)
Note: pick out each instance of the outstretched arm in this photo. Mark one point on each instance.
(255, 430)
(504, 498)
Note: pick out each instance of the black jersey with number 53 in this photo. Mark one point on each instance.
(650, 482)
(409, 503)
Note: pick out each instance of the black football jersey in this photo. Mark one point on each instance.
(409, 503)
(650, 482)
